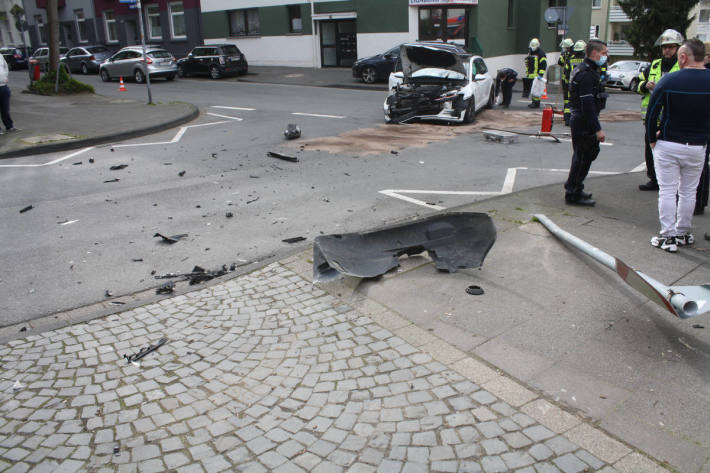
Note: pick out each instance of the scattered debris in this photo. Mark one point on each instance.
(293, 240)
(394, 152)
(292, 132)
(137, 260)
(78, 163)
(698, 326)
(181, 173)
(17, 386)
(197, 275)
(214, 155)
(118, 167)
(453, 241)
(23, 329)
(117, 303)
(23, 210)
(253, 200)
(537, 135)
(229, 215)
(284, 157)
(111, 180)
(91, 160)
(707, 236)
(253, 177)
(117, 450)
(112, 150)
(474, 290)
(144, 351)
(166, 288)
(108, 293)
(170, 239)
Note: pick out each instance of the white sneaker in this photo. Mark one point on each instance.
(687, 239)
(665, 243)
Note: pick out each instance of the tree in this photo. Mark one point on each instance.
(53, 42)
(650, 18)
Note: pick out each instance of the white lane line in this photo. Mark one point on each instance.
(176, 138)
(225, 116)
(392, 193)
(233, 108)
(69, 222)
(640, 167)
(317, 115)
(58, 160)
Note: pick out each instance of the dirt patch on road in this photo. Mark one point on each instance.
(386, 138)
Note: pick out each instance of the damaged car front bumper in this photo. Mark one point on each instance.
(428, 102)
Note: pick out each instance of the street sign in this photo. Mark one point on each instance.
(126, 1)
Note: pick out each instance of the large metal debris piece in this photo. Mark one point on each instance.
(453, 240)
(682, 301)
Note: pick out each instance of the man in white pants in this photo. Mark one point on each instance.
(678, 139)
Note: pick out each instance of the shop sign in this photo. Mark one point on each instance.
(418, 3)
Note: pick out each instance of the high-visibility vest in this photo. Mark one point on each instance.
(562, 62)
(574, 61)
(654, 75)
(535, 64)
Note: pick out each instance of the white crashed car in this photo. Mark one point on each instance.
(438, 81)
(624, 74)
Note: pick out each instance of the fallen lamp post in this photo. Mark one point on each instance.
(682, 301)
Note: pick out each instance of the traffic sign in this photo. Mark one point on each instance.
(126, 1)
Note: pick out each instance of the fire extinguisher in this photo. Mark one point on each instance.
(547, 114)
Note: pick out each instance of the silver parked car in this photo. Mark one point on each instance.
(86, 59)
(624, 74)
(129, 62)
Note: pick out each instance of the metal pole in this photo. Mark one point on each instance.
(145, 58)
(313, 34)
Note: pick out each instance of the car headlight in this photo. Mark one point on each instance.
(622, 76)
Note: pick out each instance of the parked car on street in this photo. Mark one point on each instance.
(624, 74)
(86, 59)
(438, 81)
(129, 62)
(377, 67)
(41, 57)
(14, 57)
(215, 60)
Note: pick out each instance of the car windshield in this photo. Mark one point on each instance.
(230, 50)
(624, 66)
(159, 54)
(97, 49)
(438, 74)
(63, 50)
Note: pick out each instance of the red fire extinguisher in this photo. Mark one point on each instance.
(546, 126)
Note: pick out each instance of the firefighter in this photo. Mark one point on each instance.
(535, 66)
(576, 58)
(565, 55)
(669, 41)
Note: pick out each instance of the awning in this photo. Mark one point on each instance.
(347, 15)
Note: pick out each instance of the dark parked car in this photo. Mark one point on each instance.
(14, 57)
(215, 60)
(377, 67)
(86, 59)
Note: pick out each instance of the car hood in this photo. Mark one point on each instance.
(416, 57)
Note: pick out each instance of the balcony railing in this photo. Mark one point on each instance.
(617, 15)
(620, 48)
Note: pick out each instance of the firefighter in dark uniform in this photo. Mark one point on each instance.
(587, 99)
(535, 66)
(575, 59)
(669, 41)
(565, 55)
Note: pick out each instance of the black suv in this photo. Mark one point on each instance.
(216, 60)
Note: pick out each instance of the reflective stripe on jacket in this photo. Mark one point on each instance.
(654, 75)
(535, 64)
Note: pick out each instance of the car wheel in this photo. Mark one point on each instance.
(84, 69)
(181, 71)
(634, 85)
(214, 72)
(491, 98)
(368, 75)
(470, 111)
(139, 76)
(104, 76)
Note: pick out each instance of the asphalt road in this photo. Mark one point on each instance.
(86, 236)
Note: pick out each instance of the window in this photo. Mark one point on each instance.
(41, 29)
(80, 25)
(481, 67)
(152, 18)
(704, 16)
(596, 3)
(110, 26)
(244, 22)
(558, 3)
(511, 14)
(594, 32)
(295, 24)
(177, 20)
(442, 24)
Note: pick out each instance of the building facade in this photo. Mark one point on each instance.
(700, 27)
(10, 35)
(334, 33)
(609, 23)
(173, 25)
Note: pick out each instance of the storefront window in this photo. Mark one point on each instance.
(443, 24)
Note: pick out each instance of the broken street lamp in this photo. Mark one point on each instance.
(453, 241)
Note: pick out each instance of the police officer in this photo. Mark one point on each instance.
(587, 99)
(566, 46)
(535, 66)
(575, 59)
(669, 41)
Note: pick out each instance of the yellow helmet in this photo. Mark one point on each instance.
(567, 43)
(669, 37)
(579, 46)
(534, 44)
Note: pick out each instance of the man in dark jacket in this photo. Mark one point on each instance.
(701, 196)
(505, 80)
(587, 99)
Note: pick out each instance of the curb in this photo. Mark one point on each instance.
(192, 113)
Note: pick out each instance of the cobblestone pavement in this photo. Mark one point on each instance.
(269, 373)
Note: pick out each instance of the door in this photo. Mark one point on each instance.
(131, 32)
(338, 43)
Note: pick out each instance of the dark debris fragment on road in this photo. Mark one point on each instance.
(283, 157)
(170, 239)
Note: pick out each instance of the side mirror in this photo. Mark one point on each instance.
(189, 55)
(399, 75)
(480, 77)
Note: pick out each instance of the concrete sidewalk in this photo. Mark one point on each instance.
(558, 367)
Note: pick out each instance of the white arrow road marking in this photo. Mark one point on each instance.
(225, 116)
(640, 167)
(233, 108)
(58, 160)
(507, 187)
(317, 115)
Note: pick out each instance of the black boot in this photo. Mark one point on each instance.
(649, 186)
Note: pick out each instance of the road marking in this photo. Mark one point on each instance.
(640, 167)
(507, 187)
(69, 222)
(58, 160)
(176, 138)
(225, 116)
(233, 108)
(569, 140)
(317, 115)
